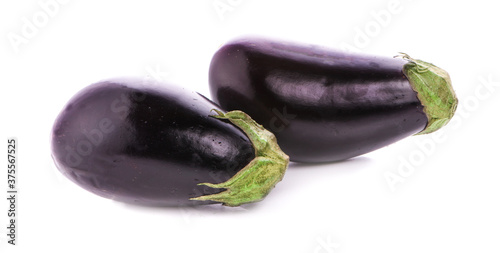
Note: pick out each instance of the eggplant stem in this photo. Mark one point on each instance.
(419, 67)
(433, 87)
(257, 178)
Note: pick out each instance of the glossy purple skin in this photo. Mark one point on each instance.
(322, 105)
(146, 144)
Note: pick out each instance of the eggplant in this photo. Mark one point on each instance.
(153, 144)
(325, 105)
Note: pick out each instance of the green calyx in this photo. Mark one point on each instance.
(257, 178)
(434, 90)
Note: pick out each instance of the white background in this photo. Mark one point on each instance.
(444, 192)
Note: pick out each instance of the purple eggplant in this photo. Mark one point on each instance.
(325, 105)
(155, 144)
